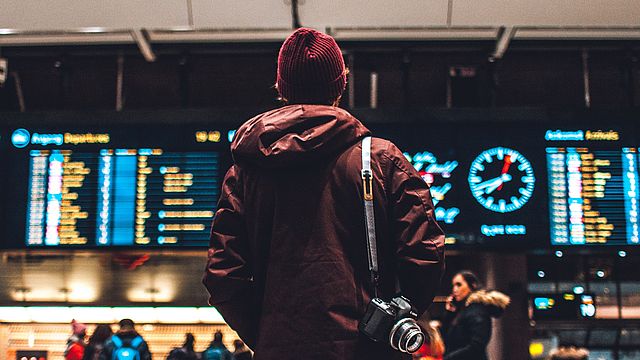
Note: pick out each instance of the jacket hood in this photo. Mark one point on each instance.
(129, 333)
(296, 134)
(74, 339)
(495, 301)
(569, 353)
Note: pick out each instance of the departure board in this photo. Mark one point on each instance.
(121, 197)
(86, 190)
(62, 197)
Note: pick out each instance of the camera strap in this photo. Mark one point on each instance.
(367, 188)
(369, 216)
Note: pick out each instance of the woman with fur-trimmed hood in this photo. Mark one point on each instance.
(468, 322)
(569, 353)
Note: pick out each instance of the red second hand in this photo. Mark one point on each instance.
(505, 168)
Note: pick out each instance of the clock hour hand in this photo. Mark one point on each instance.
(491, 185)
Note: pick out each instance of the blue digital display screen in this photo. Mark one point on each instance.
(485, 184)
(568, 306)
(508, 185)
(524, 185)
(592, 188)
(91, 188)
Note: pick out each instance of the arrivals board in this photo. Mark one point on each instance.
(592, 190)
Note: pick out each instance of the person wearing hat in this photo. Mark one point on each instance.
(288, 260)
(75, 343)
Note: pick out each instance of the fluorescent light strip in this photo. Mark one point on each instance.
(147, 315)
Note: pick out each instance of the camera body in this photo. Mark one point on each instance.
(393, 322)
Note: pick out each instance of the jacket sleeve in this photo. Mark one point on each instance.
(145, 354)
(76, 352)
(228, 276)
(419, 238)
(479, 328)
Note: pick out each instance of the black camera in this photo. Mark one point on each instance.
(394, 322)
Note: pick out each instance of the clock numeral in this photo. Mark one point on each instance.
(478, 166)
(528, 179)
(515, 201)
(525, 192)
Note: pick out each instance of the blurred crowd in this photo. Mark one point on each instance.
(128, 344)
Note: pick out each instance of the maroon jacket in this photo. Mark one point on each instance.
(287, 265)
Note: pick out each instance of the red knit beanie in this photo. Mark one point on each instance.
(310, 68)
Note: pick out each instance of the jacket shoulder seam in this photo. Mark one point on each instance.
(394, 161)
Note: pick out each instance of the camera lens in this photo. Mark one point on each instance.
(414, 341)
(406, 336)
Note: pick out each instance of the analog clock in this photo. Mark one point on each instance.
(501, 179)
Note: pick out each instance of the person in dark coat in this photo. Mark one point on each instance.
(287, 265)
(128, 335)
(97, 341)
(186, 351)
(468, 323)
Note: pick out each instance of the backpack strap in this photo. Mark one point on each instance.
(136, 342)
(116, 341)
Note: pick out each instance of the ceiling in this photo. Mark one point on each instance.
(70, 22)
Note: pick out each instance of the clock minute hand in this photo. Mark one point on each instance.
(505, 168)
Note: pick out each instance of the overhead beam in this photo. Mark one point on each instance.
(84, 36)
(429, 33)
(505, 34)
(141, 37)
(188, 34)
(213, 35)
(577, 33)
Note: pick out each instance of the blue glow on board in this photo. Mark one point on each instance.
(483, 186)
(20, 138)
(493, 230)
(559, 135)
(543, 303)
(447, 215)
(47, 139)
(230, 135)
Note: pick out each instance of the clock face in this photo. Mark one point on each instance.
(501, 179)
